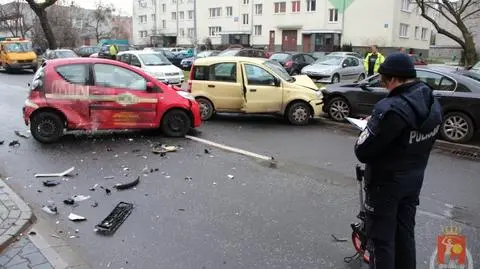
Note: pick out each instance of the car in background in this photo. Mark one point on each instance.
(335, 68)
(187, 62)
(174, 59)
(417, 60)
(86, 51)
(318, 54)
(468, 73)
(155, 64)
(108, 95)
(252, 86)
(244, 52)
(293, 62)
(57, 54)
(346, 53)
(104, 51)
(458, 95)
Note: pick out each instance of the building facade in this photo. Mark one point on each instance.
(295, 25)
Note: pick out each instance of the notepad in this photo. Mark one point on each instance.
(360, 124)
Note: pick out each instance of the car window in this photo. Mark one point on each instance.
(436, 81)
(124, 58)
(112, 76)
(134, 60)
(74, 73)
(168, 54)
(309, 59)
(259, 54)
(298, 59)
(223, 72)
(244, 53)
(354, 61)
(258, 76)
(200, 72)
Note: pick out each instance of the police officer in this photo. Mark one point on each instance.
(395, 147)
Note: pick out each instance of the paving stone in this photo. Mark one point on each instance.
(27, 249)
(4, 197)
(16, 260)
(6, 224)
(14, 214)
(43, 266)
(9, 203)
(23, 265)
(35, 258)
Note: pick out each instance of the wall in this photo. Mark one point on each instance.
(412, 18)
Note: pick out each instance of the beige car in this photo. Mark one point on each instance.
(253, 86)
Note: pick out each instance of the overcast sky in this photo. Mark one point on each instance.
(125, 6)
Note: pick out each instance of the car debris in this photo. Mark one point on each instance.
(61, 174)
(14, 143)
(80, 198)
(50, 209)
(113, 221)
(2, 142)
(95, 204)
(127, 185)
(75, 217)
(22, 135)
(55, 236)
(32, 233)
(231, 176)
(163, 149)
(109, 177)
(94, 187)
(207, 151)
(69, 201)
(107, 190)
(51, 183)
(338, 239)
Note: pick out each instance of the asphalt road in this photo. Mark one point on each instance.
(262, 218)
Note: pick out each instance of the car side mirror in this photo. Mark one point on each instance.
(150, 86)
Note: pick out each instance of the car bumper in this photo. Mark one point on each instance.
(197, 120)
(22, 65)
(178, 80)
(317, 106)
(320, 78)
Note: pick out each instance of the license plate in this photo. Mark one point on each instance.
(26, 66)
(174, 81)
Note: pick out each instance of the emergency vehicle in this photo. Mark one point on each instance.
(16, 54)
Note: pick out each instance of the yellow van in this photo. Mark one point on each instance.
(252, 86)
(17, 53)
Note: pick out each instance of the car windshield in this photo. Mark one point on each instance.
(330, 60)
(123, 48)
(18, 47)
(154, 59)
(281, 57)
(65, 54)
(279, 70)
(228, 53)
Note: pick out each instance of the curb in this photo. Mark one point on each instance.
(439, 144)
(26, 218)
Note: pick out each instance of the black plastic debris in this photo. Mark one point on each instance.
(107, 190)
(20, 134)
(188, 179)
(338, 239)
(109, 149)
(32, 233)
(14, 143)
(69, 201)
(113, 221)
(51, 183)
(181, 209)
(207, 151)
(128, 185)
(2, 142)
(95, 204)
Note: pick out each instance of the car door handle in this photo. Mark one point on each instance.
(253, 90)
(211, 86)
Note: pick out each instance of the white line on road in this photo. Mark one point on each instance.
(232, 149)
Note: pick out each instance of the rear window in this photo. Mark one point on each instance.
(281, 57)
(200, 72)
(226, 72)
(74, 73)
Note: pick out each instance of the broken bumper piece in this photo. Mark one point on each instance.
(113, 221)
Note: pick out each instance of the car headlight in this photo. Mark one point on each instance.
(186, 95)
(319, 94)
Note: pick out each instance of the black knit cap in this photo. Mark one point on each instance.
(398, 64)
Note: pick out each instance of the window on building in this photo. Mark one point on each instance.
(174, 1)
(245, 18)
(190, 14)
(311, 5)
(142, 18)
(333, 15)
(164, 7)
(154, 17)
(182, 32)
(164, 24)
(405, 5)
(181, 15)
(174, 15)
(191, 32)
(417, 29)
(215, 12)
(142, 33)
(214, 31)
(229, 11)
(295, 6)
(280, 7)
(403, 30)
(258, 30)
(424, 33)
(245, 2)
(433, 38)
(258, 9)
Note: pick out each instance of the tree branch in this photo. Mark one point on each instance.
(470, 14)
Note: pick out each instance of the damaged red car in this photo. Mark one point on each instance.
(100, 94)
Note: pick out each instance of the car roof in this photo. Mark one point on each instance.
(217, 59)
(138, 52)
(82, 60)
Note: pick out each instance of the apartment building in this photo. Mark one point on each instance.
(301, 25)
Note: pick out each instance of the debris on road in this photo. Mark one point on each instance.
(338, 239)
(107, 190)
(231, 176)
(20, 134)
(75, 217)
(50, 209)
(69, 201)
(2, 142)
(207, 151)
(51, 183)
(95, 204)
(188, 179)
(14, 143)
(113, 221)
(163, 149)
(55, 236)
(32, 233)
(61, 174)
(80, 198)
(94, 187)
(127, 185)
(109, 177)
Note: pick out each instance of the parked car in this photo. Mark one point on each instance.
(187, 62)
(57, 54)
(335, 68)
(318, 54)
(252, 86)
(86, 51)
(346, 53)
(155, 64)
(459, 97)
(417, 60)
(293, 62)
(243, 52)
(104, 52)
(468, 73)
(101, 94)
(174, 59)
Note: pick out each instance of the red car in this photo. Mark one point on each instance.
(101, 94)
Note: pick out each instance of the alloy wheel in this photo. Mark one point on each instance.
(455, 128)
(300, 114)
(339, 110)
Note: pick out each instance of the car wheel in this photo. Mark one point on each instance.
(206, 108)
(361, 77)
(47, 127)
(176, 123)
(338, 109)
(457, 127)
(335, 78)
(299, 113)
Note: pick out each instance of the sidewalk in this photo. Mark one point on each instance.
(24, 254)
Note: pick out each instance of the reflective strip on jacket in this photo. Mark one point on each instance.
(378, 62)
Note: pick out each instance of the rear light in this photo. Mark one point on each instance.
(288, 64)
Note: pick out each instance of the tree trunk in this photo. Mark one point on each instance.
(47, 30)
(470, 51)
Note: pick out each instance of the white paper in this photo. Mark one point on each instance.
(360, 124)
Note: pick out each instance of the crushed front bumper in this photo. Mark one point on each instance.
(317, 106)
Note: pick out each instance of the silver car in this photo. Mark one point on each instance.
(335, 68)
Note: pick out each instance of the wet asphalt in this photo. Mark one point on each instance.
(192, 214)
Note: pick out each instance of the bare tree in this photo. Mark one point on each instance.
(99, 21)
(40, 11)
(121, 27)
(458, 13)
(12, 17)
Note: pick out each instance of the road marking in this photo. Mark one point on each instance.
(232, 149)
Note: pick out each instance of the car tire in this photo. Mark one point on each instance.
(335, 78)
(206, 108)
(176, 123)
(47, 127)
(338, 109)
(457, 127)
(361, 77)
(299, 113)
